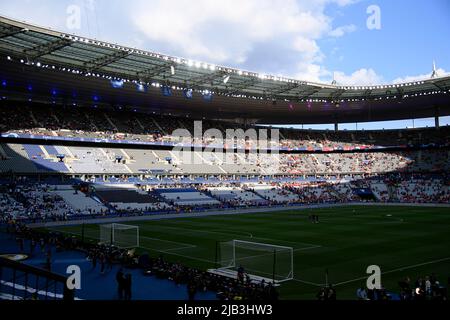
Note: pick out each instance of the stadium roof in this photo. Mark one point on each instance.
(237, 93)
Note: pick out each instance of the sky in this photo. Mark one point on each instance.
(355, 42)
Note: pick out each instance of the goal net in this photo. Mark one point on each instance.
(120, 235)
(258, 260)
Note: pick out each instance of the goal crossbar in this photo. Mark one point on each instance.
(114, 234)
(273, 263)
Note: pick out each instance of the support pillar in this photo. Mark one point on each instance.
(436, 117)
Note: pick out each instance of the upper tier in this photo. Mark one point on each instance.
(70, 121)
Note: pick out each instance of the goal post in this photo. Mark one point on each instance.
(119, 235)
(270, 262)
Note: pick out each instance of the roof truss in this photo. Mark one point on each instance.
(47, 48)
(102, 61)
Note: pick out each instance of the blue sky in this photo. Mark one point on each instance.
(312, 40)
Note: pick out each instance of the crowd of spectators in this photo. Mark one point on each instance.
(424, 288)
(226, 288)
(71, 121)
(33, 201)
(366, 162)
(36, 201)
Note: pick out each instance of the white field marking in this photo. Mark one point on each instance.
(168, 251)
(307, 248)
(225, 233)
(180, 248)
(286, 241)
(308, 282)
(74, 233)
(396, 270)
(392, 220)
(210, 261)
(163, 251)
(385, 222)
(236, 232)
(192, 230)
(271, 253)
(356, 217)
(148, 227)
(177, 254)
(182, 244)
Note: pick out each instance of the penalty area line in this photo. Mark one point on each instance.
(396, 270)
(177, 254)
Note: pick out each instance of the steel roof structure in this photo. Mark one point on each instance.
(79, 63)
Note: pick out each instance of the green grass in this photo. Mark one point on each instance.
(413, 241)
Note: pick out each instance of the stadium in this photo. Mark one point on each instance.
(159, 177)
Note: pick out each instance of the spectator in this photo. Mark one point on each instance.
(120, 283)
(127, 286)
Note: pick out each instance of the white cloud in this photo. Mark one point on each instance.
(308, 49)
(340, 31)
(345, 2)
(228, 32)
(440, 73)
(361, 77)
(270, 36)
(311, 72)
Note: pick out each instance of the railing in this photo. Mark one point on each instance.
(19, 281)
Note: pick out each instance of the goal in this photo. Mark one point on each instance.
(120, 235)
(260, 261)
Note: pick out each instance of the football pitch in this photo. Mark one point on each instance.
(402, 241)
